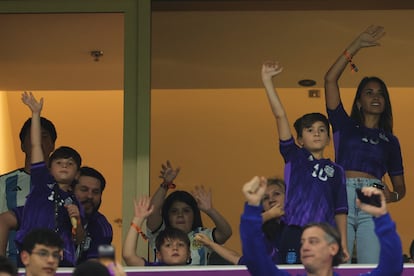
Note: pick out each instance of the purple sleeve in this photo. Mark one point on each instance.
(394, 162)
(254, 249)
(288, 148)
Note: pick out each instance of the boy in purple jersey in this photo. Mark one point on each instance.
(315, 187)
(51, 203)
(364, 143)
(321, 244)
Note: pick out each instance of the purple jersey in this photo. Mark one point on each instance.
(98, 231)
(315, 188)
(45, 208)
(368, 150)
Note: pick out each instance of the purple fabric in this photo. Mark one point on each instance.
(315, 189)
(358, 148)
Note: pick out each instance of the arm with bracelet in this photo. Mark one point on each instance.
(142, 209)
(168, 175)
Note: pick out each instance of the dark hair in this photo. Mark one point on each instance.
(43, 236)
(386, 119)
(7, 266)
(88, 171)
(44, 123)
(171, 233)
(331, 236)
(91, 267)
(188, 199)
(308, 120)
(66, 152)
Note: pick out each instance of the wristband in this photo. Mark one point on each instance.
(348, 57)
(168, 185)
(139, 231)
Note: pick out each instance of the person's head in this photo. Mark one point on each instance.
(173, 247)
(312, 131)
(180, 210)
(64, 164)
(49, 137)
(41, 251)
(88, 189)
(7, 268)
(91, 267)
(321, 247)
(372, 97)
(274, 194)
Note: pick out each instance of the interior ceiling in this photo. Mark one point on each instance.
(208, 44)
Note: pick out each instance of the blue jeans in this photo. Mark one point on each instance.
(361, 225)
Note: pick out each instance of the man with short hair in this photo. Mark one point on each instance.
(88, 191)
(15, 185)
(41, 252)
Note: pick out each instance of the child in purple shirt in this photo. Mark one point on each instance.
(364, 144)
(51, 203)
(315, 186)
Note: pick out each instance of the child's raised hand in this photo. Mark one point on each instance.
(143, 207)
(203, 198)
(29, 100)
(270, 69)
(168, 173)
(254, 190)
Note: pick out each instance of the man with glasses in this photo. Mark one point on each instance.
(41, 252)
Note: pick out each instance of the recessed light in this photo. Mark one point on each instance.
(307, 82)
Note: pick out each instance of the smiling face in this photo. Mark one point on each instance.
(174, 252)
(371, 99)
(317, 252)
(89, 193)
(181, 216)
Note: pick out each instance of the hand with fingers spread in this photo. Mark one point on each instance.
(29, 100)
(371, 36)
(203, 198)
(168, 174)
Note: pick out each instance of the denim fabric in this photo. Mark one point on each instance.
(360, 229)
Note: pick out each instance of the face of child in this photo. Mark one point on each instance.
(64, 170)
(174, 252)
(372, 99)
(315, 137)
(273, 195)
(181, 216)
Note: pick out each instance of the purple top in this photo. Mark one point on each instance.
(98, 231)
(315, 189)
(368, 150)
(45, 208)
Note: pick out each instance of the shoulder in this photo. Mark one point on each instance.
(13, 173)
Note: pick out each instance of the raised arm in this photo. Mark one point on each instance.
(269, 70)
(391, 260)
(368, 38)
(35, 129)
(227, 254)
(273, 213)
(223, 229)
(168, 174)
(142, 209)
